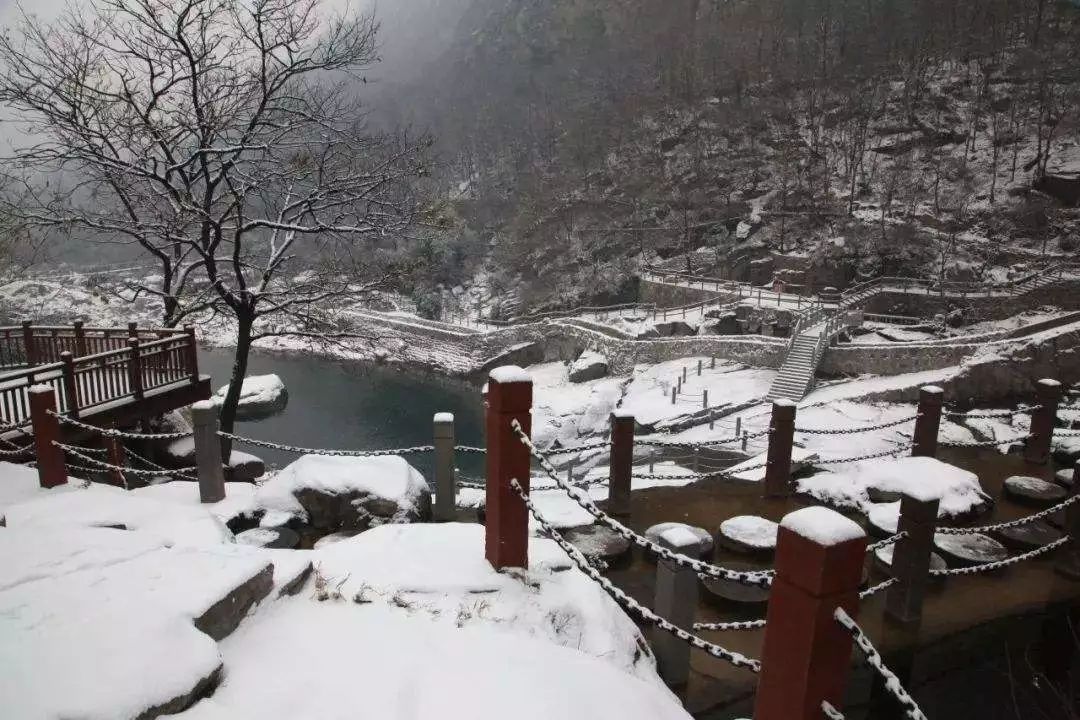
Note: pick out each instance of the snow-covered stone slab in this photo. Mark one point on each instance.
(704, 541)
(19, 483)
(1027, 536)
(1033, 491)
(748, 534)
(106, 506)
(346, 493)
(271, 538)
(260, 396)
(970, 549)
(239, 498)
(958, 490)
(600, 542)
(800, 458)
(1065, 477)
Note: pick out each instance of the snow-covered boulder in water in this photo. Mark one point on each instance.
(591, 365)
(348, 494)
(260, 396)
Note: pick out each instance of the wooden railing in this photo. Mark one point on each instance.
(28, 345)
(127, 367)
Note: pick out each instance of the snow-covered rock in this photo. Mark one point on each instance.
(345, 493)
(970, 549)
(1033, 491)
(590, 365)
(704, 541)
(260, 396)
(748, 533)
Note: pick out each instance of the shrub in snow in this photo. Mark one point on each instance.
(260, 396)
(349, 494)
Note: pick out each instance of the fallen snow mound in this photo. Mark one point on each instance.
(260, 396)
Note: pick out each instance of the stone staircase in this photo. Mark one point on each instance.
(797, 372)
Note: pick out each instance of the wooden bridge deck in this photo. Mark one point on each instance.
(102, 376)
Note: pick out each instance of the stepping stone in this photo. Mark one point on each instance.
(1033, 491)
(276, 538)
(722, 592)
(970, 549)
(705, 541)
(748, 534)
(883, 560)
(1064, 477)
(883, 520)
(599, 541)
(1028, 536)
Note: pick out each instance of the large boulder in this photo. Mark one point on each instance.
(674, 328)
(590, 365)
(260, 396)
(346, 494)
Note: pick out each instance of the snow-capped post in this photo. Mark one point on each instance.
(781, 439)
(509, 398)
(1037, 447)
(445, 479)
(52, 470)
(745, 439)
(927, 421)
(192, 353)
(80, 338)
(738, 427)
(204, 421)
(114, 455)
(620, 464)
(676, 599)
(806, 654)
(705, 399)
(699, 362)
(71, 388)
(28, 342)
(712, 363)
(135, 368)
(911, 556)
(674, 392)
(683, 380)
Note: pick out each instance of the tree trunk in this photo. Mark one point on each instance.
(245, 321)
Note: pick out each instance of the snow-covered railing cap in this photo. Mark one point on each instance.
(822, 526)
(1049, 383)
(784, 402)
(509, 374)
(933, 389)
(622, 414)
(40, 388)
(203, 405)
(443, 417)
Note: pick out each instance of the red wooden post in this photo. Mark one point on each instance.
(928, 421)
(52, 470)
(621, 462)
(192, 353)
(71, 388)
(80, 339)
(781, 442)
(28, 343)
(1037, 447)
(114, 455)
(135, 374)
(806, 653)
(509, 398)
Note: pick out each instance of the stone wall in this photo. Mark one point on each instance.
(1064, 294)
(663, 295)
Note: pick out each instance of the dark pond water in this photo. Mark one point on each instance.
(354, 406)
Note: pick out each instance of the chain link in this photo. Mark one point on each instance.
(734, 625)
(760, 578)
(125, 470)
(28, 450)
(735, 658)
(319, 451)
(985, 443)
(873, 659)
(869, 456)
(470, 449)
(108, 432)
(1014, 560)
(886, 542)
(855, 430)
(830, 712)
(712, 443)
(579, 448)
(992, 413)
(880, 587)
(1011, 523)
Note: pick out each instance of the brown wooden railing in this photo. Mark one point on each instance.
(122, 365)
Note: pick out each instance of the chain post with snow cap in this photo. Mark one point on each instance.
(806, 655)
(1043, 418)
(781, 442)
(445, 478)
(911, 555)
(621, 462)
(676, 599)
(204, 423)
(52, 470)
(928, 421)
(509, 398)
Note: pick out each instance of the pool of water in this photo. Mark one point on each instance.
(354, 406)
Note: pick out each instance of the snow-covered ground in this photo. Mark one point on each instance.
(401, 620)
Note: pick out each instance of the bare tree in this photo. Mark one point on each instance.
(225, 139)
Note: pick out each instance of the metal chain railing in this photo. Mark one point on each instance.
(735, 658)
(470, 449)
(20, 452)
(998, 564)
(101, 464)
(984, 443)
(760, 578)
(579, 448)
(700, 476)
(109, 432)
(320, 451)
(869, 456)
(1010, 523)
(975, 414)
(873, 659)
(892, 539)
(880, 587)
(732, 625)
(647, 442)
(856, 430)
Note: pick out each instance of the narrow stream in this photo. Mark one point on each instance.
(354, 406)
